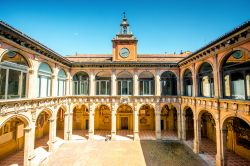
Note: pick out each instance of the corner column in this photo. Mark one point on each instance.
(136, 125)
(54, 87)
(196, 135)
(183, 124)
(91, 122)
(179, 126)
(219, 159)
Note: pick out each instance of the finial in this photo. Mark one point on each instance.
(124, 15)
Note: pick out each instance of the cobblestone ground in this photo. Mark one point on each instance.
(169, 153)
(124, 153)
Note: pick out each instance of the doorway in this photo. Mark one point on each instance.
(124, 123)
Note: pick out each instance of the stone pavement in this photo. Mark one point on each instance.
(124, 153)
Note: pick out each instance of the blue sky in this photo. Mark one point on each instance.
(88, 26)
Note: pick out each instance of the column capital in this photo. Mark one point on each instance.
(27, 129)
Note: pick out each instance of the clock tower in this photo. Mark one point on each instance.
(124, 44)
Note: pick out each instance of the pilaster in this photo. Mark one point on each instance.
(113, 129)
(157, 83)
(113, 83)
(52, 133)
(92, 84)
(91, 121)
(29, 155)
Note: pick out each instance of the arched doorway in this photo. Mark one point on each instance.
(42, 130)
(81, 83)
(169, 126)
(168, 83)
(60, 123)
(205, 80)
(236, 141)
(146, 122)
(146, 83)
(187, 83)
(80, 122)
(124, 121)
(102, 121)
(207, 136)
(12, 141)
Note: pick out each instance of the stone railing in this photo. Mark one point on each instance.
(221, 104)
(24, 105)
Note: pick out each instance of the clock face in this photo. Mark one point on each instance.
(124, 52)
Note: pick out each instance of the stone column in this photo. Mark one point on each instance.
(113, 129)
(195, 84)
(223, 146)
(113, 83)
(196, 135)
(32, 84)
(91, 122)
(183, 124)
(158, 123)
(51, 134)
(179, 124)
(219, 159)
(136, 84)
(136, 124)
(92, 84)
(157, 83)
(29, 155)
(66, 126)
(216, 79)
(70, 124)
(54, 82)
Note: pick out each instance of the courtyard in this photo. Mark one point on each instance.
(125, 153)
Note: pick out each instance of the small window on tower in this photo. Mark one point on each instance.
(124, 30)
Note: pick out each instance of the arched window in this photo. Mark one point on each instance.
(236, 76)
(206, 80)
(125, 83)
(187, 83)
(103, 80)
(81, 83)
(168, 83)
(147, 83)
(13, 75)
(44, 80)
(61, 83)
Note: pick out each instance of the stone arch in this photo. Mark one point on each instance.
(169, 115)
(102, 117)
(228, 53)
(184, 70)
(131, 107)
(30, 64)
(232, 115)
(47, 110)
(203, 110)
(22, 117)
(203, 62)
(50, 64)
(124, 72)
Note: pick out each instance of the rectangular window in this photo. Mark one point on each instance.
(238, 89)
(2, 83)
(14, 83)
(61, 87)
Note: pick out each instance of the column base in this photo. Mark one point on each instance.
(136, 136)
(196, 148)
(158, 135)
(113, 135)
(219, 161)
(91, 135)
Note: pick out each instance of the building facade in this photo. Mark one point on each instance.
(193, 97)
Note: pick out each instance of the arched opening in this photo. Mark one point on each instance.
(187, 83)
(80, 122)
(124, 83)
(102, 121)
(12, 141)
(103, 80)
(168, 83)
(42, 130)
(169, 126)
(61, 83)
(13, 76)
(205, 80)
(60, 117)
(236, 141)
(44, 80)
(236, 76)
(81, 83)
(124, 121)
(146, 83)
(146, 122)
(207, 135)
(189, 124)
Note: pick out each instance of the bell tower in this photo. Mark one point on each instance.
(124, 44)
